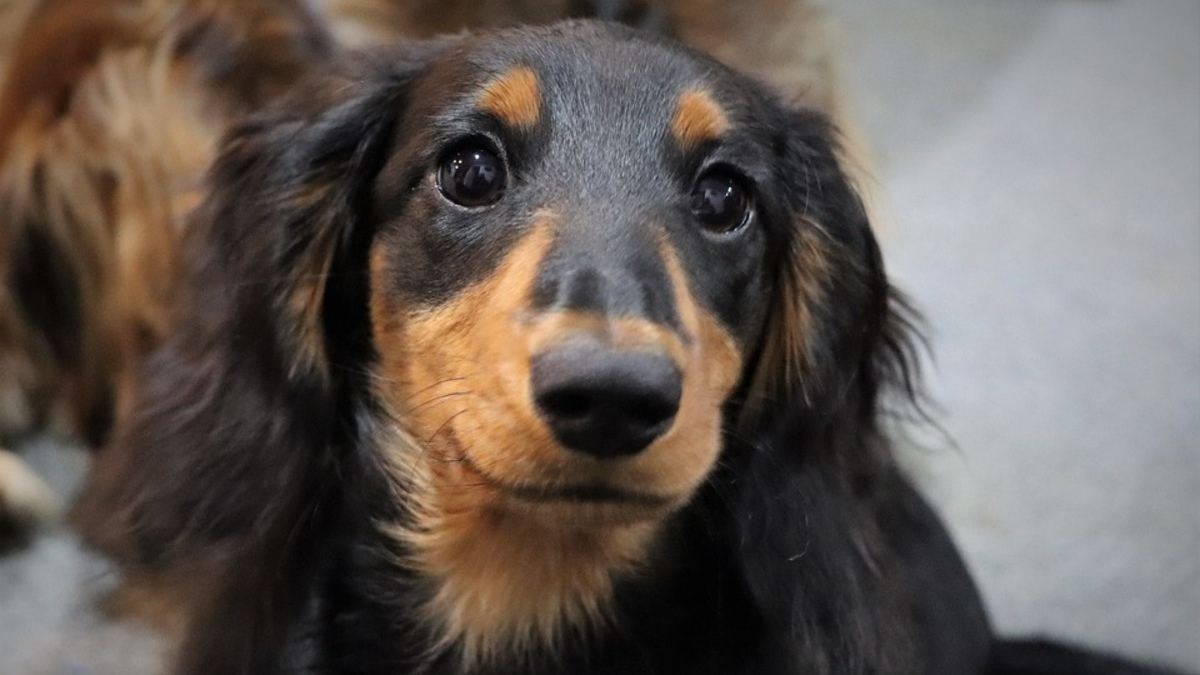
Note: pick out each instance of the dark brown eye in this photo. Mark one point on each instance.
(472, 175)
(720, 201)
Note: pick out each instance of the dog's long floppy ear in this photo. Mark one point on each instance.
(836, 331)
(227, 457)
(837, 336)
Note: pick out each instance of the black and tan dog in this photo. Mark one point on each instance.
(554, 350)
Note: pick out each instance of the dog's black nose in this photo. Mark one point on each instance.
(604, 402)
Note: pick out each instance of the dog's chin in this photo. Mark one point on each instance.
(581, 505)
(570, 514)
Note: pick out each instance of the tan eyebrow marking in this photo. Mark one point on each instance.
(697, 119)
(514, 97)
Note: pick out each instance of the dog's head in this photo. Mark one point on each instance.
(568, 270)
(544, 275)
(587, 256)
(590, 255)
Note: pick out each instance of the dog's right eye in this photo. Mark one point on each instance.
(720, 201)
(472, 175)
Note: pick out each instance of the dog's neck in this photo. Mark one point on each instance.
(505, 584)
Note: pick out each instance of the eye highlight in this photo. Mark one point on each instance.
(472, 175)
(720, 201)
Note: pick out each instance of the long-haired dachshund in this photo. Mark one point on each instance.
(557, 350)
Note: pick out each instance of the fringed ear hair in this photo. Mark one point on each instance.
(229, 449)
(831, 298)
(289, 200)
(836, 337)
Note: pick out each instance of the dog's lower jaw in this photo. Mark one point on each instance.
(505, 585)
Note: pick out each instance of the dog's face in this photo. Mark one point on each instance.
(570, 269)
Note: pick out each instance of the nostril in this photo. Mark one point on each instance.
(653, 411)
(565, 404)
(604, 402)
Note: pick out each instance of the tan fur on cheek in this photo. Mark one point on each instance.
(697, 119)
(712, 368)
(514, 97)
(462, 369)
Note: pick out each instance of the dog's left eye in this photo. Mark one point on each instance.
(720, 201)
(472, 175)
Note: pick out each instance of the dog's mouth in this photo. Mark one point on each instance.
(585, 493)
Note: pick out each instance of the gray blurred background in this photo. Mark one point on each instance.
(1042, 161)
(1041, 166)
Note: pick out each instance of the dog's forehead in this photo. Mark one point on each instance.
(589, 82)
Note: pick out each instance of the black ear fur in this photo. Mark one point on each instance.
(225, 465)
(837, 334)
(819, 471)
